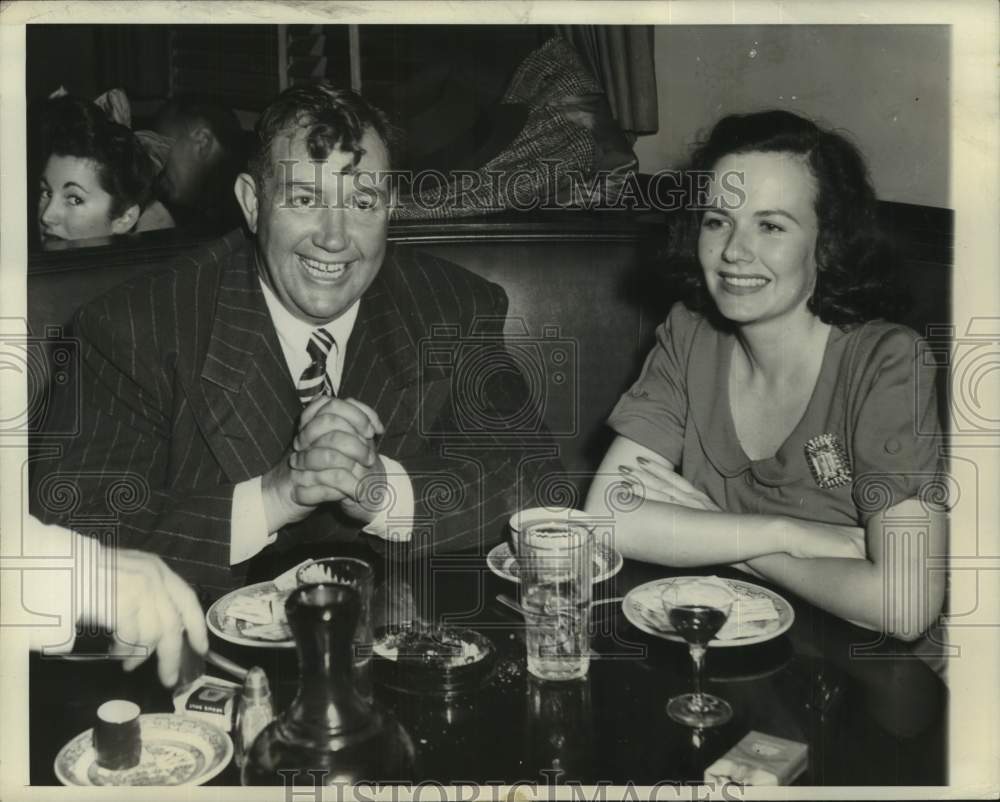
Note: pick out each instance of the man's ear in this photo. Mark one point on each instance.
(248, 199)
(126, 220)
(203, 142)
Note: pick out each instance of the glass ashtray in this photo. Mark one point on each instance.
(432, 660)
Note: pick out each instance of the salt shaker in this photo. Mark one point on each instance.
(255, 711)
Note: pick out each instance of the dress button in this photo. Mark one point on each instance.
(892, 446)
(748, 477)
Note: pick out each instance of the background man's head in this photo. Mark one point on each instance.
(316, 197)
(208, 152)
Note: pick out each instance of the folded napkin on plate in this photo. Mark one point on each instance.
(747, 617)
(277, 631)
(267, 608)
(256, 610)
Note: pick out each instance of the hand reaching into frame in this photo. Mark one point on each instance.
(153, 608)
(131, 594)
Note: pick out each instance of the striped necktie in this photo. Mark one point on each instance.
(314, 380)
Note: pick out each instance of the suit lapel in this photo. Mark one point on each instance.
(381, 353)
(382, 365)
(244, 399)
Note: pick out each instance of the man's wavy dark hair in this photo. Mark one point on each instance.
(857, 268)
(334, 118)
(74, 127)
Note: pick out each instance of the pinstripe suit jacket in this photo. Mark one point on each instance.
(185, 393)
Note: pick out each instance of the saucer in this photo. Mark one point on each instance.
(176, 750)
(502, 562)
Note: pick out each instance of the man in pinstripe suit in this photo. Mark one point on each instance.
(269, 392)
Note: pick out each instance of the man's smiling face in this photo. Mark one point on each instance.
(320, 226)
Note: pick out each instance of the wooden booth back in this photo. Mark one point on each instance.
(586, 292)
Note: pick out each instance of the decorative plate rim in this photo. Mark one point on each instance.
(786, 613)
(208, 730)
(496, 559)
(214, 617)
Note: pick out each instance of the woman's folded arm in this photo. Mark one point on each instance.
(691, 530)
(878, 577)
(896, 589)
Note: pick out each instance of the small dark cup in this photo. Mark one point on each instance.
(117, 735)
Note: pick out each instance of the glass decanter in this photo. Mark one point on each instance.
(329, 735)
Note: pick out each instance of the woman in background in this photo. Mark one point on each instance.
(779, 423)
(97, 179)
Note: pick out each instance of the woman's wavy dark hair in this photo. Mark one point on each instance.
(73, 127)
(857, 268)
(333, 118)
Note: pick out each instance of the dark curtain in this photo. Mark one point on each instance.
(135, 58)
(621, 58)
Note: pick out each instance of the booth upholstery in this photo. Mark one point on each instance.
(586, 292)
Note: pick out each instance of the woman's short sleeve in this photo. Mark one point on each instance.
(653, 411)
(897, 435)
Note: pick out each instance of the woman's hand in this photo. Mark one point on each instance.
(655, 481)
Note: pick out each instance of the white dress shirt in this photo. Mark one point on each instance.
(248, 534)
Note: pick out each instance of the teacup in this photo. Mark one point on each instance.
(519, 520)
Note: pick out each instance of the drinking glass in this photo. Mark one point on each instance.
(697, 610)
(560, 729)
(556, 565)
(359, 575)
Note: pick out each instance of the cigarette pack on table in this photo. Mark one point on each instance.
(760, 759)
(210, 699)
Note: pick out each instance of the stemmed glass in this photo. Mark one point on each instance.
(697, 610)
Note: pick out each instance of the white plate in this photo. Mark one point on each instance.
(176, 750)
(634, 611)
(232, 629)
(607, 563)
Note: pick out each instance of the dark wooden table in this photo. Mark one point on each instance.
(871, 713)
